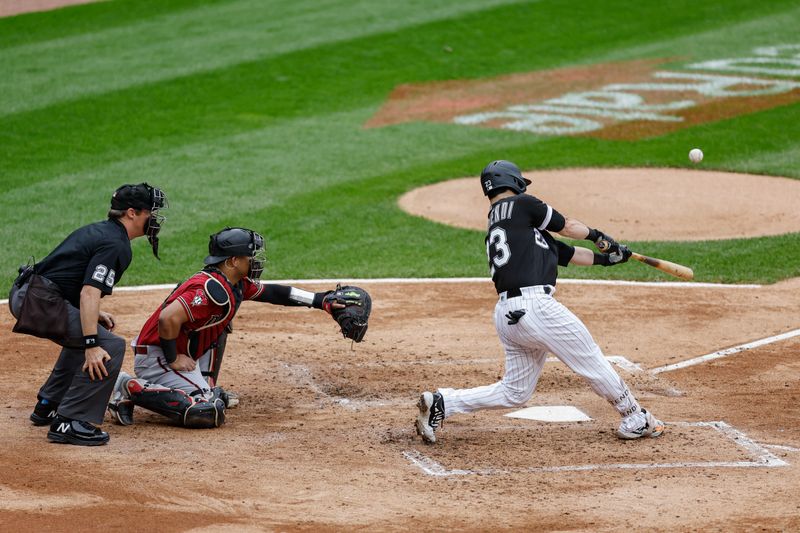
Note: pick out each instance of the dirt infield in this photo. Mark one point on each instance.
(324, 441)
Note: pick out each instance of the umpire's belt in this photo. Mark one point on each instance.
(527, 291)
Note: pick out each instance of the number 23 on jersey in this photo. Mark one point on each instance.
(498, 241)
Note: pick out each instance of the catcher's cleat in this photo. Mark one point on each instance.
(230, 398)
(431, 414)
(122, 411)
(640, 425)
(66, 431)
(121, 406)
(44, 413)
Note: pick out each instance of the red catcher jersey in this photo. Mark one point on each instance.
(208, 313)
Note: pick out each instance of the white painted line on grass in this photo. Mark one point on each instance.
(725, 353)
(761, 458)
(565, 281)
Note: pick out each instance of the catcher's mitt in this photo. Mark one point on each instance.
(353, 317)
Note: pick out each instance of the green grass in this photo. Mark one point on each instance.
(250, 113)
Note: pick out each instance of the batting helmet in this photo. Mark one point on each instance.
(237, 242)
(499, 175)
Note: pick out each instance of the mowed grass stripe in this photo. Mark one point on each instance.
(277, 144)
(79, 19)
(228, 180)
(206, 38)
(94, 130)
(344, 221)
(727, 35)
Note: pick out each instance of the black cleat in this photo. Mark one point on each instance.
(66, 431)
(431, 415)
(44, 413)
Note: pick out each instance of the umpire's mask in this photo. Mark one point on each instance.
(143, 196)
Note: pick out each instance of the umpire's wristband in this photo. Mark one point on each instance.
(170, 349)
(593, 236)
(90, 341)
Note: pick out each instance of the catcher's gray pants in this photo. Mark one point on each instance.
(153, 368)
(546, 326)
(77, 396)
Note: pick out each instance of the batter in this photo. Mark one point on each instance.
(523, 262)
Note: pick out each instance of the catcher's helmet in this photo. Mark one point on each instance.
(499, 175)
(237, 242)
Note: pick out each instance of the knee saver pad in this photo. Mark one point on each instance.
(205, 413)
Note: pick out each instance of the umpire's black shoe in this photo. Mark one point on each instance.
(78, 432)
(44, 413)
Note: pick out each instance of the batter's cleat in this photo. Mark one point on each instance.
(44, 413)
(640, 425)
(431, 414)
(66, 431)
(121, 406)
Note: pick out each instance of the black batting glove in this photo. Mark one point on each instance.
(605, 243)
(622, 254)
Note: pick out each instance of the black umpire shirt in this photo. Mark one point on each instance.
(521, 252)
(95, 255)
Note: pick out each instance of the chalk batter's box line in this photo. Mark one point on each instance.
(618, 360)
(726, 352)
(760, 458)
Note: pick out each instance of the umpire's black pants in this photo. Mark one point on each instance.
(77, 396)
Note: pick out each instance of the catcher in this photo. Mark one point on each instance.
(178, 353)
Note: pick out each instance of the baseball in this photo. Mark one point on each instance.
(695, 155)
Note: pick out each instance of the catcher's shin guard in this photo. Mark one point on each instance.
(189, 410)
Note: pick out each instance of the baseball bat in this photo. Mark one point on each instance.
(674, 269)
(679, 271)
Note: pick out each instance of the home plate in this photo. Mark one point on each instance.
(551, 413)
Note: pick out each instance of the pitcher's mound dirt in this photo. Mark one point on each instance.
(9, 8)
(658, 204)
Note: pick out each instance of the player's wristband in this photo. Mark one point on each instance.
(170, 349)
(319, 297)
(593, 235)
(601, 259)
(90, 341)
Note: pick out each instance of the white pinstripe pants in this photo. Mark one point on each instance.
(547, 326)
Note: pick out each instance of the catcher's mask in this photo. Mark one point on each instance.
(499, 175)
(238, 242)
(143, 196)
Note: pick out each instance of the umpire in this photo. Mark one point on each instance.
(59, 298)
